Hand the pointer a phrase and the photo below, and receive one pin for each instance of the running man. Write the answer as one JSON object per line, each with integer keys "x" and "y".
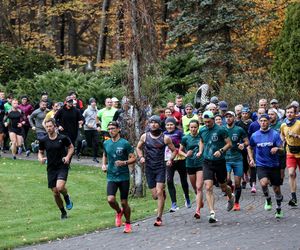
{"x": 59, "y": 150}
{"x": 290, "y": 134}
{"x": 234, "y": 157}
{"x": 154, "y": 143}
{"x": 267, "y": 144}
{"x": 214, "y": 142}
{"x": 117, "y": 155}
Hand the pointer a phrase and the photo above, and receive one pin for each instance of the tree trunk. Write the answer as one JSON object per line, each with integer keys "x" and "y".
{"x": 120, "y": 32}
{"x": 164, "y": 16}
{"x": 136, "y": 90}
{"x": 58, "y": 30}
{"x": 101, "y": 51}
{"x": 72, "y": 35}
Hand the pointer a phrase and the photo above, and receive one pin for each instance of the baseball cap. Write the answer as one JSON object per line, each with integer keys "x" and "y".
{"x": 223, "y": 105}
{"x": 245, "y": 110}
{"x": 214, "y": 100}
{"x": 230, "y": 113}
{"x": 274, "y": 101}
{"x": 114, "y": 99}
{"x": 295, "y": 103}
{"x": 69, "y": 99}
{"x": 208, "y": 115}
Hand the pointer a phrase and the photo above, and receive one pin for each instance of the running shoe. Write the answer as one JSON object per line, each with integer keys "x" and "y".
{"x": 78, "y": 157}
{"x": 253, "y": 189}
{"x": 212, "y": 218}
{"x": 230, "y": 203}
{"x": 28, "y": 153}
{"x": 158, "y": 222}
{"x": 95, "y": 160}
{"x": 14, "y": 157}
{"x": 236, "y": 207}
{"x": 64, "y": 216}
{"x": 69, "y": 204}
{"x": 187, "y": 204}
{"x": 19, "y": 150}
{"x": 174, "y": 207}
{"x": 118, "y": 220}
{"x": 127, "y": 228}
{"x": 279, "y": 215}
{"x": 293, "y": 202}
{"x": 268, "y": 206}
{"x": 197, "y": 215}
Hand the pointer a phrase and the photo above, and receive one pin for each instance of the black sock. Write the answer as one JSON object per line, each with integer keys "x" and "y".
{"x": 267, "y": 194}
{"x": 278, "y": 210}
{"x": 238, "y": 191}
{"x": 294, "y": 195}
{"x": 279, "y": 199}
{"x": 63, "y": 211}
{"x": 67, "y": 198}
{"x": 127, "y": 222}
{"x": 158, "y": 219}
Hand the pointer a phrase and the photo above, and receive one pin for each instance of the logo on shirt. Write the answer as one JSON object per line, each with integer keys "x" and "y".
{"x": 215, "y": 137}
{"x": 265, "y": 144}
{"x": 234, "y": 137}
{"x": 119, "y": 151}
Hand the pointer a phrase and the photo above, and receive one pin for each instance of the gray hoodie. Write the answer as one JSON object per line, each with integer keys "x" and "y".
{"x": 90, "y": 115}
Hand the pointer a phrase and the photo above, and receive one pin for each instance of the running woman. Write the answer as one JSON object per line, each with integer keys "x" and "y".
{"x": 154, "y": 143}
{"x": 234, "y": 157}
{"x": 15, "y": 121}
{"x": 189, "y": 148}
{"x": 290, "y": 134}
{"x": 267, "y": 143}
{"x": 118, "y": 153}
{"x": 59, "y": 150}
{"x": 214, "y": 142}
{"x": 178, "y": 165}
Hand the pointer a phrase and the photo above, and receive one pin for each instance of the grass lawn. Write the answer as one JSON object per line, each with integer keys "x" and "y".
{"x": 29, "y": 215}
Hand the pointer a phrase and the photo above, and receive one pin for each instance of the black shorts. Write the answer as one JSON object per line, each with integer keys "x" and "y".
{"x": 192, "y": 171}
{"x": 215, "y": 169}
{"x": 273, "y": 174}
{"x": 17, "y": 131}
{"x": 57, "y": 174}
{"x": 112, "y": 188}
{"x": 155, "y": 176}
{"x": 282, "y": 161}
{"x": 2, "y": 130}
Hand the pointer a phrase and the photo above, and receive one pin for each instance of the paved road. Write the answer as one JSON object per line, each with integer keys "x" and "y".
{"x": 251, "y": 228}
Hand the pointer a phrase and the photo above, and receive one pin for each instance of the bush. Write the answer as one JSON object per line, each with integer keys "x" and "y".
{"x": 16, "y": 63}
{"x": 58, "y": 83}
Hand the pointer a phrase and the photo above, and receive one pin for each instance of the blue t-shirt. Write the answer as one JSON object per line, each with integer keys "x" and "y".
{"x": 263, "y": 142}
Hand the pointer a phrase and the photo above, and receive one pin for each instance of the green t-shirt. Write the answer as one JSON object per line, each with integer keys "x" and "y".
{"x": 276, "y": 126}
{"x": 192, "y": 143}
{"x": 106, "y": 116}
{"x": 117, "y": 151}
{"x": 185, "y": 123}
{"x": 213, "y": 139}
{"x": 7, "y": 107}
{"x": 236, "y": 135}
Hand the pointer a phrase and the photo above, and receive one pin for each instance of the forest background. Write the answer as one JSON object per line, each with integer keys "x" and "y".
{"x": 244, "y": 49}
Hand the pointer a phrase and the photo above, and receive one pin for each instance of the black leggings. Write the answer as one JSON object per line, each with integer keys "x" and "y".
{"x": 92, "y": 139}
{"x": 180, "y": 167}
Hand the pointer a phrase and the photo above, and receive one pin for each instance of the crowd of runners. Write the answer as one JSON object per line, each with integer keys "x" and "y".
{"x": 210, "y": 146}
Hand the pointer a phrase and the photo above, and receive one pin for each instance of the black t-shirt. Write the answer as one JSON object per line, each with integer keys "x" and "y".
{"x": 56, "y": 149}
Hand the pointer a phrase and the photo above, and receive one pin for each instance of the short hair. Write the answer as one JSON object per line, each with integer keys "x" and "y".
{"x": 52, "y": 120}
{"x": 211, "y": 105}
{"x": 291, "y": 107}
{"x": 179, "y": 97}
{"x": 43, "y": 101}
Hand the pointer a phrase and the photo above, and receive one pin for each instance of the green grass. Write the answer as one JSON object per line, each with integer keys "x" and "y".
{"x": 29, "y": 215}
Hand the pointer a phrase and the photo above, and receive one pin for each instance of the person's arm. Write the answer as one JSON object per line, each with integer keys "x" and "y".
{"x": 181, "y": 150}
{"x": 250, "y": 155}
{"x": 228, "y": 145}
{"x": 169, "y": 143}
{"x": 139, "y": 149}
{"x": 31, "y": 120}
{"x": 41, "y": 156}
{"x": 131, "y": 160}
{"x": 67, "y": 158}
{"x": 201, "y": 148}
{"x": 104, "y": 162}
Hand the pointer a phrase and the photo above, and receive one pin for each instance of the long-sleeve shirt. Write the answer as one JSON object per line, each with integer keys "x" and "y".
{"x": 36, "y": 120}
